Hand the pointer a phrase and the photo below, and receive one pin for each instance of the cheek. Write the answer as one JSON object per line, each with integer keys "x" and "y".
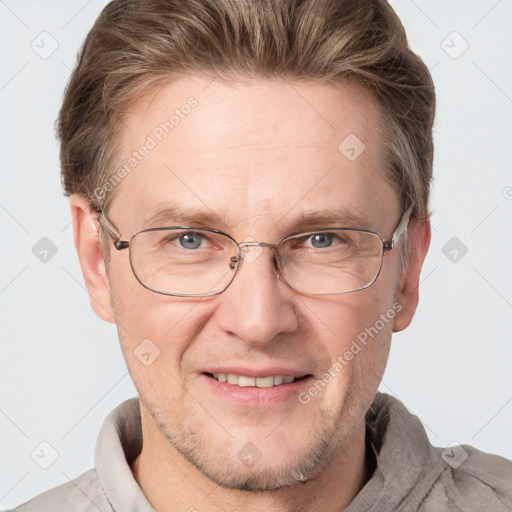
{"x": 157, "y": 337}
{"x": 337, "y": 322}
{"x": 154, "y": 330}
{"x": 354, "y": 332}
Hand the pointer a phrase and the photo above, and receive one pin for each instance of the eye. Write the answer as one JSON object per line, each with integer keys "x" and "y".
{"x": 181, "y": 240}
{"x": 320, "y": 240}
{"x": 190, "y": 240}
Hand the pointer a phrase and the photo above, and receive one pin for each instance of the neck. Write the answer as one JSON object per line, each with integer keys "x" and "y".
{"x": 170, "y": 482}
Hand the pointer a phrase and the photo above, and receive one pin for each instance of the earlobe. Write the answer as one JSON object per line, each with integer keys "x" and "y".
{"x": 407, "y": 295}
{"x": 87, "y": 243}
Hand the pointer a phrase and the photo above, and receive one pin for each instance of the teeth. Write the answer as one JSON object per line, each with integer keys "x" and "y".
{"x": 278, "y": 380}
{"x": 246, "y": 381}
{"x": 264, "y": 382}
{"x": 232, "y": 378}
{"x": 259, "y": 382}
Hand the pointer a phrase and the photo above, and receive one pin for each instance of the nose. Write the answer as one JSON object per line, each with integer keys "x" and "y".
{"x": 257, "y": 306}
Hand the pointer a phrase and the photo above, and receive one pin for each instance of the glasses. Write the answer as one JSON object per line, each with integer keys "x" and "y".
{"x": 185, "y": 261}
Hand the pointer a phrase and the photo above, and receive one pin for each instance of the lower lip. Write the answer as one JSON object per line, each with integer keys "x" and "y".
{"x": 255, "y": 397}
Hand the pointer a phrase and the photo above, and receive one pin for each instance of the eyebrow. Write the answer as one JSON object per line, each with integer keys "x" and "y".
{"x": 178, "y": 216}
{"x": 306, "y": 220}
{"x": 339, "y": 217}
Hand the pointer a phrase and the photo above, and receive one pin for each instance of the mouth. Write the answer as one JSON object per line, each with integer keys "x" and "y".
{"x": 245, "y": 381}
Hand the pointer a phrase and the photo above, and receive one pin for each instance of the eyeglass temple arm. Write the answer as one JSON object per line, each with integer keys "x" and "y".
{"x": 399, "y": 231}
{"x": 113, "y": 233}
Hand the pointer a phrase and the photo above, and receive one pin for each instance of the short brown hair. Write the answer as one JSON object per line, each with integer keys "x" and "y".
{"x": 135, "y": 45}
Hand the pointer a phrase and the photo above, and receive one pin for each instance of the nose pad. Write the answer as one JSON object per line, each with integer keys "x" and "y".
{"x": 233, "y": 262}
{"x": 278, "y": 262}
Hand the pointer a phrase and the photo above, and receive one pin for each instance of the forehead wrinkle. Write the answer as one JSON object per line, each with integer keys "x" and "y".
{"x": 266, "y": 146}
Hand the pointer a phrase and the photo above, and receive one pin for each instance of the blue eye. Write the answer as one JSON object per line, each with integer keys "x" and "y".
{"x": 321, "y": 240}
{"x": 190, "y": 240}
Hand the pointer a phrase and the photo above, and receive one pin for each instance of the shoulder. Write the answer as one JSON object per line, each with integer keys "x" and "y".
{"x": 477, "y": 480}
{"x": 412, "y": 474}
{"x": 83, "y": 494}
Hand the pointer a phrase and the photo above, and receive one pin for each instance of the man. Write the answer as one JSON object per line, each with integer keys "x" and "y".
{"x": 249, "y": 184}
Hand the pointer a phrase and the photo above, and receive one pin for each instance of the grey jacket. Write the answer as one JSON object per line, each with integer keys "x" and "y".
{"x": 410, "y": 475}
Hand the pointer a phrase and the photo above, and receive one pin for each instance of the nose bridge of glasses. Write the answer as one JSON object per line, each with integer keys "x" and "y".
{"x": 255, "y": 244}
{"x": 243, "y": 253}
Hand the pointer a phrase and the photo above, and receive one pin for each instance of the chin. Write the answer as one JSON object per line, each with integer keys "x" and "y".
{"x": 260, "y": 477}
{"x": 237, "y": 463}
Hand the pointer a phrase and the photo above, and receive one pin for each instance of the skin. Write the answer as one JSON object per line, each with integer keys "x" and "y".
{"x": 258, "y": 155}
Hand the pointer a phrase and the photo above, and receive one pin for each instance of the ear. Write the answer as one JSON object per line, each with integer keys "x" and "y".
{"x": 87, "y": 243}
{"x": 418, "y": 235}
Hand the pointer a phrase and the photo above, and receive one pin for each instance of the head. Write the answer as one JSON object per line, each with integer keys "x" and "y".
{"x": 259, "y": 119}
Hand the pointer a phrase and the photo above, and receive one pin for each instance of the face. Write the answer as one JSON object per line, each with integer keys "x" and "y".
{"x": 254, "y": 160}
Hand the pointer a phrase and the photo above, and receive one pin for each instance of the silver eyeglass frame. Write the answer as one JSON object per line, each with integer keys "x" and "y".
{"x": 235, "y": 261}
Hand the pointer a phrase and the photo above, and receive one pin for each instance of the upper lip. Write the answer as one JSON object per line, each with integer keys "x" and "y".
{"x": 257, "y": 372}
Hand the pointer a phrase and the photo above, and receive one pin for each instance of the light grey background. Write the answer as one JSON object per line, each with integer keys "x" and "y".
{"x": 61, "y": 368}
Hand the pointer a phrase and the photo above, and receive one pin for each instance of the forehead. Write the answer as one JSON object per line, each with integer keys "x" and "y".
{"x": 254, "y": 152}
